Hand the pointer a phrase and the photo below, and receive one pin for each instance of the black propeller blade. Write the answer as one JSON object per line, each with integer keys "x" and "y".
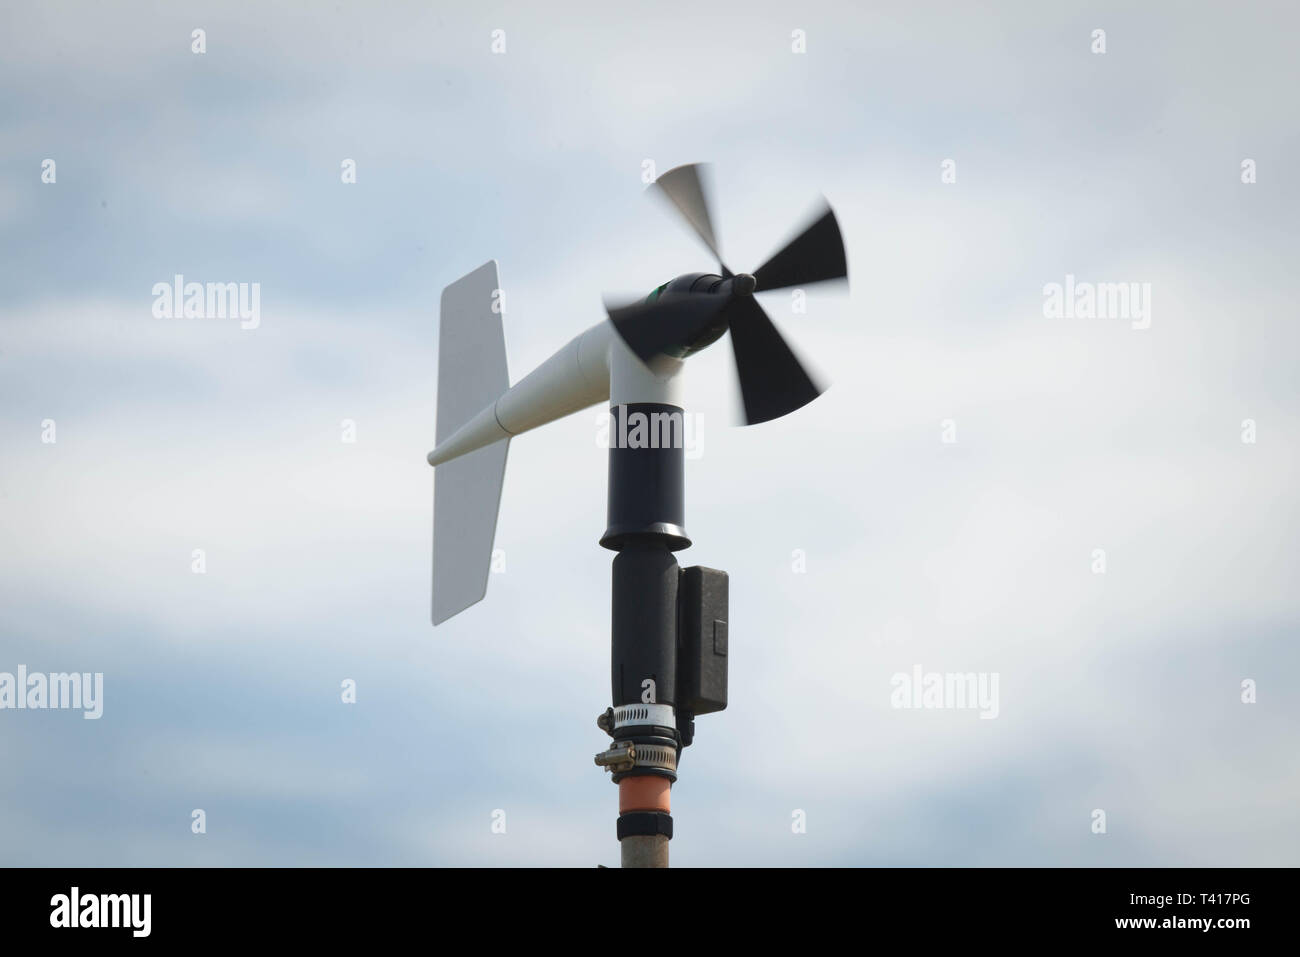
{"x": 683, "y": 186}
{"x": 772, "y": 380}
{"x": 650, "y": 328}
{"x": 815, "y": 255}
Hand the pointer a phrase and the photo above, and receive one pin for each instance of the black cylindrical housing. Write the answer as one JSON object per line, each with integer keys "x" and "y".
{"x": 647, "y": 456}
{"x": 645, "y": 624}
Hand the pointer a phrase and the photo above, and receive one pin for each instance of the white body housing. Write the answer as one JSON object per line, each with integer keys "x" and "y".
{"x": 593, "y": 367}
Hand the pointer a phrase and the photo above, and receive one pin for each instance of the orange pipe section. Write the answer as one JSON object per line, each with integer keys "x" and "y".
{"x": 645, "y": 792}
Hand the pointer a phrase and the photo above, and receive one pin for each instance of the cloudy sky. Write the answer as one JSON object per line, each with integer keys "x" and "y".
{"x": 942, "y": 506}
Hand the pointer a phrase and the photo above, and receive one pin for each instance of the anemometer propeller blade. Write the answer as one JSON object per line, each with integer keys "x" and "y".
{"x": 683, "y": 186}
{"x": 814, "y": 255}
{"x": 772, "y": 381}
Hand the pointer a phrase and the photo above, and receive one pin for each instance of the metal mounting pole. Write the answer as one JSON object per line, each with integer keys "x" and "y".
{"x": 644, "y": 850}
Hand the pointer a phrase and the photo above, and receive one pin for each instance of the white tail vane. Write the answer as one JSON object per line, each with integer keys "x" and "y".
{"x": 478, "y": 413}
{"x": 467, "y": 492}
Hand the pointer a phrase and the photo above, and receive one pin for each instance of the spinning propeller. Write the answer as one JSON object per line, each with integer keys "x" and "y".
{"x": 692, "y": 311}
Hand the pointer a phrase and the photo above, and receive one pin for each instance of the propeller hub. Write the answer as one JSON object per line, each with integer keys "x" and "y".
{"x": 743, "y": 284}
